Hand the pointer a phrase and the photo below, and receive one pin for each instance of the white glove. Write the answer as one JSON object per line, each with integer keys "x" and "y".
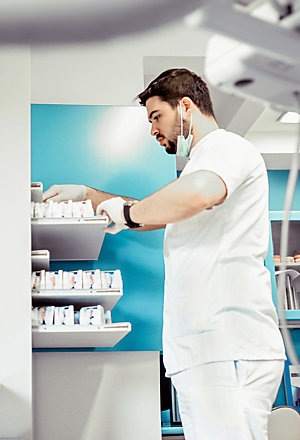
{"x": 114, "y": 209}
{"x": 62, "y": 193}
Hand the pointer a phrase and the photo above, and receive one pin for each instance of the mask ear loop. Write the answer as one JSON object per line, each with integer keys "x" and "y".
{"x": 181, "y": 120}
{"x": 190, "y": 130}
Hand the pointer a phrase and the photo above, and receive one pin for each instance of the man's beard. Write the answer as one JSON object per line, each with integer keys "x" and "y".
{"x": 171, "y": 148}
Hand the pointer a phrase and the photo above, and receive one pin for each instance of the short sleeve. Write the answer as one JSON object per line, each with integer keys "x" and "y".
{"x": 227, "y": 155}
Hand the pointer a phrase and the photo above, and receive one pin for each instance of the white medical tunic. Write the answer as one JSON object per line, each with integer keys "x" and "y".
{"x": 218, "y": 301}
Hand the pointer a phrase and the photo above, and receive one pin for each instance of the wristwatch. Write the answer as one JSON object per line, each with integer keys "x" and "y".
{"x": 129, "y": 222}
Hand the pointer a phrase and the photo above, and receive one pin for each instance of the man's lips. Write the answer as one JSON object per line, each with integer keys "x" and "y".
{"x": 160, "y": 140}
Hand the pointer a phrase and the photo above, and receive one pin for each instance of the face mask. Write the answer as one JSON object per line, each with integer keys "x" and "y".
{"x": 184, "y": 144}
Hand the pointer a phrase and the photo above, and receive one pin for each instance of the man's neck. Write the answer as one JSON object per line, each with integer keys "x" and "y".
{"x": 202, "y": 126}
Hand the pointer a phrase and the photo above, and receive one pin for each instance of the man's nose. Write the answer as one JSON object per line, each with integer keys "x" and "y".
{"x": 154, "y": 130}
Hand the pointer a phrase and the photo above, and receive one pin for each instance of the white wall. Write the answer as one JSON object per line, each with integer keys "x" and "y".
{"x": 15, "y": 293}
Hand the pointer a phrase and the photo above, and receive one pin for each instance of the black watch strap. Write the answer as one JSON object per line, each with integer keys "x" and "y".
{"x": 129, "y": 222}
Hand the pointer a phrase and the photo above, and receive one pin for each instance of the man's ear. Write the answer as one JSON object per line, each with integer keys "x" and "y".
{"x": 187, "y": 104}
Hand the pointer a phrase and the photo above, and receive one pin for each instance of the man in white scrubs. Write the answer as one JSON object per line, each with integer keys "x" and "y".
{"x": 221, "y": 344}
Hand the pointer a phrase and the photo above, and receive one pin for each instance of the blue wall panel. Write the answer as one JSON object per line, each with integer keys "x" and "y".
{"x": 278, "y": 181}
{"x": 109, "y": 148}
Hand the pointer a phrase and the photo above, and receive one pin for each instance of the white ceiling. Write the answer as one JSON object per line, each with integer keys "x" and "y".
{"x": 267, "y": 122}
{"x": 115, "y": 71}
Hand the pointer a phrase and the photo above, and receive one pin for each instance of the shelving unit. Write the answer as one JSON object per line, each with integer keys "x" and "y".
{"x": 276, "y": 217}
{"x": 72, "y": 239}
{"x": 58, "y": 336}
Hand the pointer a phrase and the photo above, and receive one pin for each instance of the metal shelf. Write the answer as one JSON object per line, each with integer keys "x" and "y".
{"x": 292, "y": 319}
{"x": 288, "y": 265}
{"x": 63, "y": 336}
{"x": 172, "y": 431}
{"x": 69, "y": 238}
{"x": 36, "y": 192}
{"x": 291, "y": 324}
{"x": 40, "y": 260}
{"x": 82, "y": 298}
{"x": 291, "y": 315}
{"x": 278, "y": 215}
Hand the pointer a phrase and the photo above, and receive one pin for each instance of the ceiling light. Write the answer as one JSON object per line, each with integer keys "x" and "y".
{"x": 289, "y": 118}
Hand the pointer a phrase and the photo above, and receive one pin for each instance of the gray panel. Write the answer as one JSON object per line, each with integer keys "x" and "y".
{"x": 69, "y": 239}
{"x": 294, "y": 236}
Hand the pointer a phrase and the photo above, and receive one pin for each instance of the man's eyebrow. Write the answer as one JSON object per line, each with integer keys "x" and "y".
{"x": 151, "y": 114}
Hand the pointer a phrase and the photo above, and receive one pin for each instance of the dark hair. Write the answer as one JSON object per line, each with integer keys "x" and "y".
{"x": 173, "y": 84}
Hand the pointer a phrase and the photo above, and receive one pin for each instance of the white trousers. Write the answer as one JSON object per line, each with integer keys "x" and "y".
{"x": 228, "y": 400}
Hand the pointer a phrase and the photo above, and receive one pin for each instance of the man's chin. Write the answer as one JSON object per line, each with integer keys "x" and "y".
{"x": 171, "y": 148}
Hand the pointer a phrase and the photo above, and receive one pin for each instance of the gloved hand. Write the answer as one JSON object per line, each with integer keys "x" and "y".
{"x": 62, "y": 193}
{"x": 114, "y": 209}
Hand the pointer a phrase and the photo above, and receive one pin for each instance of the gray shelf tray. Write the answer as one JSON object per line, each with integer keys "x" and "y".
{"x": 63, "y": 336}
{"x": 82, "y": 298}
{"x": 69, "y": 238}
